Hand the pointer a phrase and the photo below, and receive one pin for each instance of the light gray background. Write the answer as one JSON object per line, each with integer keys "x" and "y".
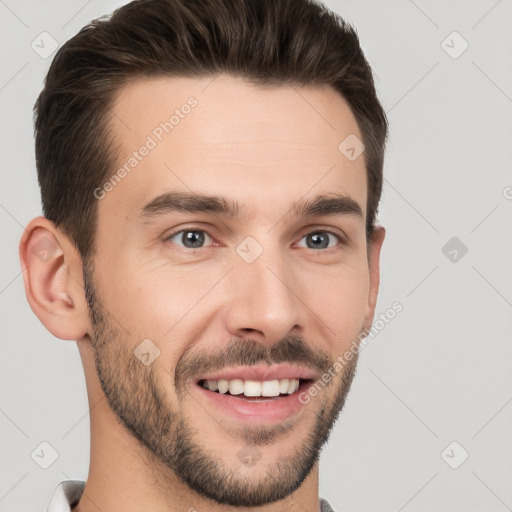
{"x": 439, "y": 372}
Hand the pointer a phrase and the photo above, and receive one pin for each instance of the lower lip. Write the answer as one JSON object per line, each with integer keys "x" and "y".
{"x": 272, "y": 410}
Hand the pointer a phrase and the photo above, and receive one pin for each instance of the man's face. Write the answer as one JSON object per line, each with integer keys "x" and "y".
{"x": 182, "y": 300}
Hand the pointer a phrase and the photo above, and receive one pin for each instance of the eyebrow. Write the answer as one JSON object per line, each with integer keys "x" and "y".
{"x": 190, "y": 202}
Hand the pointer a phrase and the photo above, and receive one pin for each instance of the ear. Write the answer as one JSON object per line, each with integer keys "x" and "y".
{"x": 374, "y": 247}
{"x": 52, "y": 274}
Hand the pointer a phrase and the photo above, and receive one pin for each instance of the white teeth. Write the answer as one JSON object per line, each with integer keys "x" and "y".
{"x": 236, "y": 386}
{"x": 294, "y": 385}
{"x": 223, "y": 386}
{"x": 270, "y": 388}
{"x": 253, "y": 388}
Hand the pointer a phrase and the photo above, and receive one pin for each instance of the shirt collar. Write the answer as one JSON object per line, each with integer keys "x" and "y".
{"x": 66, "y": 496}
{"x": 69, "y": 492}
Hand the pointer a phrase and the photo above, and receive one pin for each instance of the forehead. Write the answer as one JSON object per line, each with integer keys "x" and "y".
{"x": 228, "y": 137}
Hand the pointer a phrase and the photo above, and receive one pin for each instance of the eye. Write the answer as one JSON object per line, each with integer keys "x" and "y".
{"x": 321, "y": 240}
{"x": 189, "y": 238}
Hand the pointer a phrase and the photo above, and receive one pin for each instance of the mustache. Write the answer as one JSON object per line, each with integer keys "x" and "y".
{"x": 246, "y": 352}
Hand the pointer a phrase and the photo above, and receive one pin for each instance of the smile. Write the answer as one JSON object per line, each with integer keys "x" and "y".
{"x": 256, "y": 395}
{"x": 253, "y": 388}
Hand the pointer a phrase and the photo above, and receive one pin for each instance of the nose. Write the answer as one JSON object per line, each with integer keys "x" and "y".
{"x": 264, "y": 299}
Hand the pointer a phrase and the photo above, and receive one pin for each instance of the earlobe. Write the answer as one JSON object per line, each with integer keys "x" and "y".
{"x": 374, "y": 248}
{"x": 53, "y": 279}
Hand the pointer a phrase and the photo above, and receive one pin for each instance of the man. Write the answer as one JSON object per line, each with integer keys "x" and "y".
{"x": 210, "y": 174}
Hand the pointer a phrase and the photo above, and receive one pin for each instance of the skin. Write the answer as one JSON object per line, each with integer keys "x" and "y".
{"x": 265, "y": 148}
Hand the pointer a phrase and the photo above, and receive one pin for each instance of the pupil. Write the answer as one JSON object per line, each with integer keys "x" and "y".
{"x": 193, "y": 239}
{"x": 323, "y": 240}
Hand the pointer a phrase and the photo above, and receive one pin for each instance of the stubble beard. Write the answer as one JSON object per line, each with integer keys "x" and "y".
{"x": 136, "y": 398}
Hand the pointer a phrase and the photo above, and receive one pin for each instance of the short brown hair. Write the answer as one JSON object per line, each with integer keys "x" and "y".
{"x": 267, "y": 42}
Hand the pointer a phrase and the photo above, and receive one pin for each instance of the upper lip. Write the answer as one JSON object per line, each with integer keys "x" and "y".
{"x": 260, "y": 373}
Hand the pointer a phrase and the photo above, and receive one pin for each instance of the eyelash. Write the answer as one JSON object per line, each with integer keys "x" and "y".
{"x": 318, "y": 230}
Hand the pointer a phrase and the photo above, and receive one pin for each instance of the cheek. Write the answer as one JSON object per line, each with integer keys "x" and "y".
{"x": 157, "y": 300}
{"x": 340, "y": 298}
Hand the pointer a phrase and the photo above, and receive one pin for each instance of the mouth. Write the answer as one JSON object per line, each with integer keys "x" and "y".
{"x": 253, "y": 389}
{"x": 255, "y": 395}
